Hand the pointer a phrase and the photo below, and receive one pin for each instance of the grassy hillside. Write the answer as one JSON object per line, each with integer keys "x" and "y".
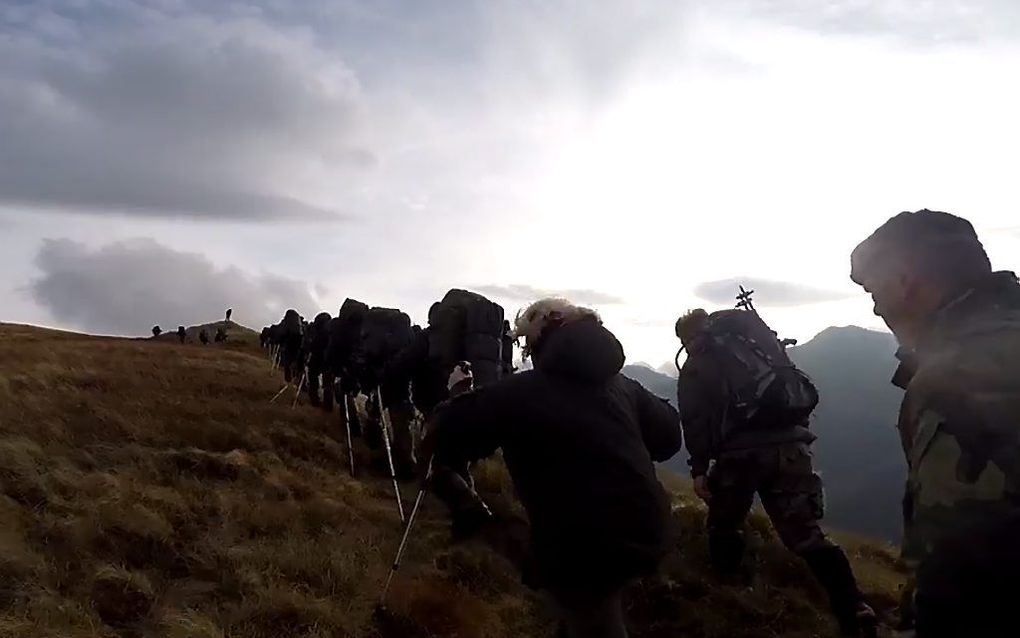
{"x": 150, "y": 489}
{"x": 238, "y": 336}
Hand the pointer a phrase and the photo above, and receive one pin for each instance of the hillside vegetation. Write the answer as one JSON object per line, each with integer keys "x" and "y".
{"x": 149, "y": 488}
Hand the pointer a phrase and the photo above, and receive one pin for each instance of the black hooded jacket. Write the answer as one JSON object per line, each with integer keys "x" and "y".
{"x": 579, "y": 440}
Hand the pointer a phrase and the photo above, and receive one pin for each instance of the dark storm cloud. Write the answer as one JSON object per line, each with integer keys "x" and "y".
{"x": 126, "y": 287}
{"x": 526, "y": 293}
{"x": 170, "y": 114}
{"x": 768, "y": 292}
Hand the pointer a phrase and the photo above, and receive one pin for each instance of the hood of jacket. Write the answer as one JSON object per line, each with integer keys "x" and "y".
{"x": 584, "y": 351}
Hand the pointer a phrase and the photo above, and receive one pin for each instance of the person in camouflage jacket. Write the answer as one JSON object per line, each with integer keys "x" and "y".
{"x": 958, "y": 324}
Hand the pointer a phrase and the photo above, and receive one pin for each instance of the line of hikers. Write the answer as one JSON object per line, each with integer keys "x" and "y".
{"x": 581, "y": 441}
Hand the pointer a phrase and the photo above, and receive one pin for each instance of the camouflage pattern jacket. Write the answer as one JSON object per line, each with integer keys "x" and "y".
{"x": 960, "y": 420}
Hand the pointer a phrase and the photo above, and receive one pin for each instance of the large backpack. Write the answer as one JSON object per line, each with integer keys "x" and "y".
{"x": 766, "y": 389}
{"x": 345, "y": 330}
{"x": 384, "y": 332}
{"x": 292, "y": 324}
{"x": 465, "y": 326}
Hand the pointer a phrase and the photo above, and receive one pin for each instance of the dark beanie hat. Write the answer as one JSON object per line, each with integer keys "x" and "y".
{"x": 925, "y": 236}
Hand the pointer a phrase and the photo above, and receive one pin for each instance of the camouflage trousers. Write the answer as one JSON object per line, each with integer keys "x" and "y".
{"x": 790, "y": 491}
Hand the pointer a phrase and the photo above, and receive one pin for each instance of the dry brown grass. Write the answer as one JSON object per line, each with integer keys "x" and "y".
{"x": 150, "y": 489}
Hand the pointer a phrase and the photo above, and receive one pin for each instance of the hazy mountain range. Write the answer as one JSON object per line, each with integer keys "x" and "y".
{"x": 858, "y": 452}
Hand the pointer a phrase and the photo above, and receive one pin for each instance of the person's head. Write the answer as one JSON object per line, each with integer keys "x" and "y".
{"x": 433, "y": 309}
{"x": 914, "y": 264}
{"x": 536, "y": 322}
{"x": 690, "y": 326}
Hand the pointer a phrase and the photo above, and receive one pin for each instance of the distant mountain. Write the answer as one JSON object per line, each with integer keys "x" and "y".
{"x": 668, "y": 369}
{"x": 858, "y": 451}
{"x": 656, "y": 382}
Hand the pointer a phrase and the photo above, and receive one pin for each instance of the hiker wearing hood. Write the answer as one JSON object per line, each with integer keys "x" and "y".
{"x": 580, "y": 441}
{"x": 958, "y": 325}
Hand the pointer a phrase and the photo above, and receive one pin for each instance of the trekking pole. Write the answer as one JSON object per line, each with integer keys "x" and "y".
{"x": 384, "y": 426}
{"x": 403, "y": 541}
{"x": 300, "y": 386}
{"x": 347, "y": 425}
{"x": 280, "y": 393}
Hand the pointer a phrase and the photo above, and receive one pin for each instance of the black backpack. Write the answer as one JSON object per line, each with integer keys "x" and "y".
{"x": 766, "y": 388}
{"x": 345, "y": 329}
{"x": 292, "y": 325}
{"x": 384, "y": 332}
{"x": 465, "y": 326}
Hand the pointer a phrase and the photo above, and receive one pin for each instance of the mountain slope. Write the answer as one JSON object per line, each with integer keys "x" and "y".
{"x": 150, "y": 489}
{"x": 655, "y": 382}
{"x": 858, "y": 451}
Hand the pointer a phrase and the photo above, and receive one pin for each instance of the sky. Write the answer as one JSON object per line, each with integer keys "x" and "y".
{"x": 162, "y": 160}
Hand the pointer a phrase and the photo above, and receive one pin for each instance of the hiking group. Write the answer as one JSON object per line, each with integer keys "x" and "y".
{"x": 581, "y": 441}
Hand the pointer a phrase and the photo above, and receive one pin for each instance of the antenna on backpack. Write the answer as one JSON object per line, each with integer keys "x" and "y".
{"x": 744, "y": 299}
{"x": 744, "y": 302}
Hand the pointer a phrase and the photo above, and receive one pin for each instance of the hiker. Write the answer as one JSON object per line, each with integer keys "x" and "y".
{"x": 958, "y": 326}
{"x": 156, "y": 331}
{"x": 291, "y": 335}
{"x": 275, "y": 339}
{"x": 508, "y": 349}
{"x": 230, "y": 311}
{"x": 264, "y": 338}
{"x": 344, "y": 335}
{"x": 182, "y": 334}
{"x": 579, "y": 440}
{"x": 203, "y": 336}
{"x": 316, "y": 340}
{"x": 221, "y": 335}
{"x": 384, "y": 333}
{"x": 747, "y": 435}
{"x": 464, "y": 327}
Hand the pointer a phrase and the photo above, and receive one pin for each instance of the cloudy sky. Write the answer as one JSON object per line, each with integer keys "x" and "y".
{"x": 161, "y": 160}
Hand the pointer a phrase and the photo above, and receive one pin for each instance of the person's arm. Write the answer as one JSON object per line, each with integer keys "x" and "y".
{"x": 660, "y": 424}
{"x": 964, "y": 456}
{"x": 464, "y": 429}
{"x": 700, "y": 413}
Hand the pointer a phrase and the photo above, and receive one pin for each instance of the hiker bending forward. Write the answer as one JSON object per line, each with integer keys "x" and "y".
{"x": 767, "y": 454}
{"x": 579, "y": 440}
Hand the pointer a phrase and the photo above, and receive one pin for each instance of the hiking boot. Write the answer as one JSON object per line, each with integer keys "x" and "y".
{"x": 863, "y": 623}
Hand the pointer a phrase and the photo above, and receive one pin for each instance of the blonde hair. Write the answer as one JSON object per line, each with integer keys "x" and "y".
{"x": 532, "y": 322}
